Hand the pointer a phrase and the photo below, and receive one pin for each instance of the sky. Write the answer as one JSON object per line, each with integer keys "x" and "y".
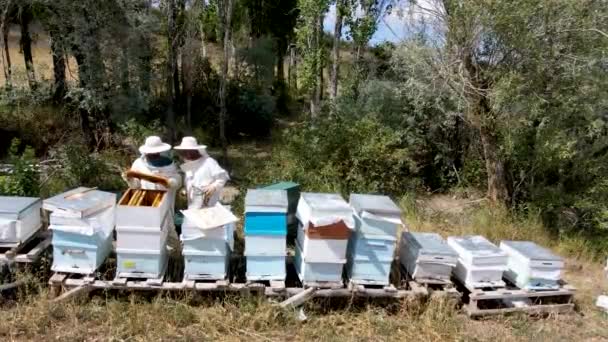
{"x": 394, "y": 27}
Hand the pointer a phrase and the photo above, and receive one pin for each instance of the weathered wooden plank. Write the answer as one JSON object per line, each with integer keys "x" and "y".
{"x": 13, "y": 285}
{"x": 57, "y": 278}
{"x": 509, "y": 294}
{"x": 532, "y": 310}
{"x": 35, "y": 252}
{"x": 73, "y": 293}
{"x": 298, "y": 299}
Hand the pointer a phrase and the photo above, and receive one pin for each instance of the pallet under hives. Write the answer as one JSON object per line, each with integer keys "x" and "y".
{"x": 28, "y": 251}
{"x": 72, "y": 284}
{"x": 511, "y": 299}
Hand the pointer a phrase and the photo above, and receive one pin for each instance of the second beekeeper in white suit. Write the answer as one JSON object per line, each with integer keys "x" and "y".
{"x": 204, "y": 178}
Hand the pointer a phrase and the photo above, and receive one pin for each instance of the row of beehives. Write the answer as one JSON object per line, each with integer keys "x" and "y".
{"x": 332, "y": 234}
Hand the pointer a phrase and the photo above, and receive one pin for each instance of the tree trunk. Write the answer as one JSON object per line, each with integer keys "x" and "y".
{"x": 498, "y": 188}
{"x": 280, "y": 64}
{"x": 60, "y": 86}
{"x": 333, "y": 91}
{"x": 226, "y": 18}
{"x": 171, "y": 67}
{"x": 202, "y": 29}
{"x": 26, "y": 46}
{"x": 315, "y": 99}
{"x": 6, "y": 57}
{"x": 292, "y": 72}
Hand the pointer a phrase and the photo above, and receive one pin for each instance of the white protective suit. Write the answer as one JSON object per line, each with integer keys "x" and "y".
{"x": 170, "y": 171}
{"x": 201, "y": 174}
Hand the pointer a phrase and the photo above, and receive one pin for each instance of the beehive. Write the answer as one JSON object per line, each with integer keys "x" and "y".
{"x": 427, "y": 256}
{"x": 143, "y": 220}
{"x": 326, "y": 224}
{"x": 265, "y": 234}
{"x": 480, "y": 262}
{"x": 19, "y": 218}
{"x": 372, "y": 246}
{"x": 82, "y": 221}
{"x": 207, "y": 245}
{"x": 532, "y": 267}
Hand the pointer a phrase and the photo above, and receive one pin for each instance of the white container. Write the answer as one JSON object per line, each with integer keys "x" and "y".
{"x": 200, "y": 265}
{"x": 321, "y": 250}
{"x": 144, "y": 216}
{"x": 265, "y": 267}
{"x": 80, "y": 202}
{"x": 477, "y": 250}
{"x": 144, "y": 238}
{"x": 480, "y": 262}
{"x": 313, "y": 270}
{"x": 266, "y": 201}
{"x": 427, "y": 256}
{"x": 479, "y": 276}
{"x": 140, "y": 263}
{"x": 375, "y": 214}
{"x": 531, "y": 266}
{"x": 81, "y": 245}
{"x": 265, "y": 245}
{"x": 19, "y": 218}
{"x": 323, "y": 210}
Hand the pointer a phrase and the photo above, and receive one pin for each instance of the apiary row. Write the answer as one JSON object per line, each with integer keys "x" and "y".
{"x": 335, "y": 239}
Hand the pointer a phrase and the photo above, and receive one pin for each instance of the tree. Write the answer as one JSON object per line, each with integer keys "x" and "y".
{"x": 362, "y": 28}
{"x": 342, "y": 7}
{"x": 309, "y": 32}
{"x": 25, "y": 17}
{"x": 225, "y": 8}
{"x": 4, "y": 29}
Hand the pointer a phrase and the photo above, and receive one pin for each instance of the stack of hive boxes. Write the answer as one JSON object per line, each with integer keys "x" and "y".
{"x": 19, "y": 219}
{"x": 82, "y": 221}
{"x": 480, "y": 262}
{"x": 426, "y": 256}
{"x": 265, "y": 232}
{"x": 143, "y": 221}
{"x": 532, "y": 267}
{"x": 372, "y": 246}
{"x": 326, "y": 222}
{"x": 208, "y": 240}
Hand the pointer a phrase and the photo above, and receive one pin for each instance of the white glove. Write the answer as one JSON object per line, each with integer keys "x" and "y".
{"x": 208, "y": 192}
{"x": 133, "y": 183}
{"x": 173, "y": 183}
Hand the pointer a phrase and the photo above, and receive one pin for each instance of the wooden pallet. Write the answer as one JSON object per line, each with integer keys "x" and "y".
{"x": 432, "y": 286}
{"x": 26, "y": 252}
{"x": 511, "y": 299}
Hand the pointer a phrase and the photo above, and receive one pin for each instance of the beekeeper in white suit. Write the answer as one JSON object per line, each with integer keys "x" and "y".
{"x": 154, "y": 160}
{"x": 204, "y": 178}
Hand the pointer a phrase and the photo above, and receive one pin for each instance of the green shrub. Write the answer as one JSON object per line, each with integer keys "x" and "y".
{"x": 343, "y": 156}
{"x": 24, "y": 180}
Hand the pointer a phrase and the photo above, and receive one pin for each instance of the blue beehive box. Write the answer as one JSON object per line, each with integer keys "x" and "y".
{"x": 370, "y": 258}
{"x": 266, "y": 212}
{"x": 265, "y": 231}
{"x": 372, "y": 247}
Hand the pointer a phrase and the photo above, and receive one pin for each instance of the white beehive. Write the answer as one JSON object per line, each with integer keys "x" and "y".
{"x": 19, "y": 218}
{"x": 427, "y": 256}
{"x": 143, "y": 221}
{"x": 82, "y": 221}
{"x": 531, "y": 266}
{"x": 480, "y": 262}
{"x": 207, "y": 238}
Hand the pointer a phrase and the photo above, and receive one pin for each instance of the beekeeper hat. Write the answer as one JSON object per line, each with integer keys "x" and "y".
{"x": 153, "y": 145}
{"x": 190, "y": 143}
